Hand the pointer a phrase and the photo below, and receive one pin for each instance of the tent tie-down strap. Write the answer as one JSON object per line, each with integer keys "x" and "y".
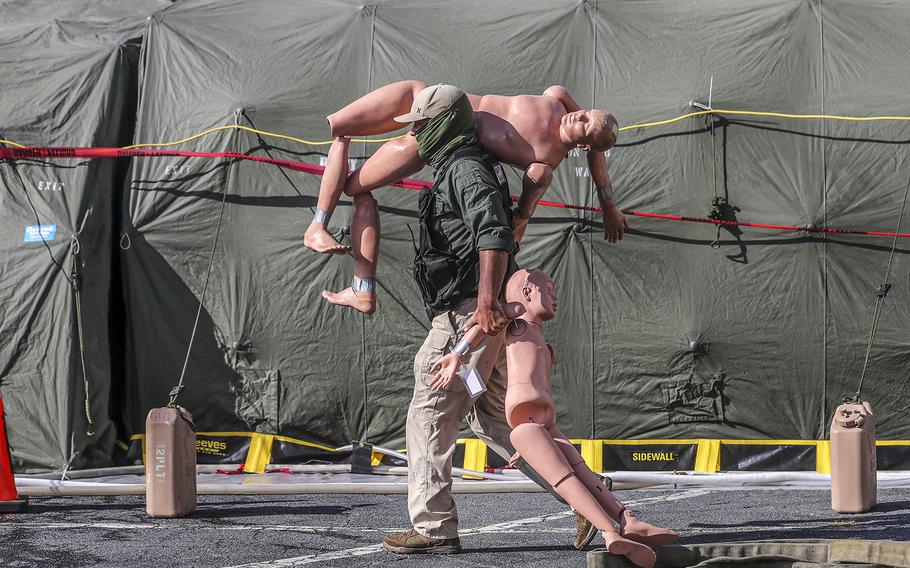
{"x": 880, "y": 295}
{"x": 60, "y": 152}
{"x": 76, "y": 284}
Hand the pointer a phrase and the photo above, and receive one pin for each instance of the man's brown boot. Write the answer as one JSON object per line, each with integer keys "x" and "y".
{"x": 584, "y": 530}
{"x": 412, "y": 542}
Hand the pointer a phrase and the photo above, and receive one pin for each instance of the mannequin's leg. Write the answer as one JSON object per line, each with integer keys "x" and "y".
{"x": 361, "y": 295}
{"x": 374, "y": 112}
{"x": 537, "y": 447}
{"x": 394, "y": 160}
{"x": 631, "y": 527}
{"x": 317, "y": 236}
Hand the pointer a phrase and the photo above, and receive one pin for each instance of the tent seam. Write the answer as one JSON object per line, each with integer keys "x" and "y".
{"x": 591, "y": 218}
{"x": 824, "y": 405}
{"x": 363, "y": 338}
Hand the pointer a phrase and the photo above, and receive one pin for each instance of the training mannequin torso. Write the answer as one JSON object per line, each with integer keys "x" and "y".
{"x": 529, "y": 358}
{"x": 529, "y": 409}
{"x": 521, "y": 130}
{"x": 532, "y": 132}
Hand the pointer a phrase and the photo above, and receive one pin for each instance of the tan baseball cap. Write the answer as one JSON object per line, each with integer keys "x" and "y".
{"x": 431, "y": 102}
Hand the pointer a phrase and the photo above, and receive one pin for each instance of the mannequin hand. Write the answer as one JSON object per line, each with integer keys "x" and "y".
{"x": 490, "y": 319}
{"x": 614, "y": 224}
{"x": 445, "y": 370}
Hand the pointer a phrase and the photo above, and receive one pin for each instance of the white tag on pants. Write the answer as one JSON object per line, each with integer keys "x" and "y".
{"x": 473, "y": 382}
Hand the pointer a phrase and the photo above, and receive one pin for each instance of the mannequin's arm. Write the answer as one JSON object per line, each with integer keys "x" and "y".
{"x": 448, "y": 365}
{"x": 562, "y": 93}
{"x": 614, "y": 221}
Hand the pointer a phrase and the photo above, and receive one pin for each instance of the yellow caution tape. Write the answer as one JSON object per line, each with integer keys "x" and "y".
{"x": 622, "y": 129}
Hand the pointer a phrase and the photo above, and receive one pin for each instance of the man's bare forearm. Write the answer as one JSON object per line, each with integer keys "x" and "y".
{"x": 534, "y": 184}
{"x": 493, "y": 264}
{"x": 530, "y": 196}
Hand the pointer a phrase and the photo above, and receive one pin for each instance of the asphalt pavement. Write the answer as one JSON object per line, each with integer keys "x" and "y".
{"x": 527, "y": 530}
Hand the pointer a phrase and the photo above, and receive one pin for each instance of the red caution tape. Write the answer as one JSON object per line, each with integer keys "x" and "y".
{"x": 407, "y": 183}
{"x": 67, "y": 152}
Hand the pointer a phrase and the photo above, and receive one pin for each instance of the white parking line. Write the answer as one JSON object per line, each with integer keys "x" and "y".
{"x": 157, "y": 526}
{"x": 257, "y": 528}
{"x": 312, "y": 558}
{"x": 508, "y": 526}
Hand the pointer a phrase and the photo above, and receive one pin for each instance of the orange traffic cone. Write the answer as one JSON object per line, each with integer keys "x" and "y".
{"x": 10, "y": 502}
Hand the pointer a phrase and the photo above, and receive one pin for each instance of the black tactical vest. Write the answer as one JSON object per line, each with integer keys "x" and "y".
{"x": 444, "y": 279}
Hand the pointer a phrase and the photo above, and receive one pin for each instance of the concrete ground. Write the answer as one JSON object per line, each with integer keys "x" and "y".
{"x": 527, "y": 530}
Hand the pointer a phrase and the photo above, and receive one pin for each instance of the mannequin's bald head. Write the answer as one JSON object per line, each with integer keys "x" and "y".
{"x": 535, "y": 291}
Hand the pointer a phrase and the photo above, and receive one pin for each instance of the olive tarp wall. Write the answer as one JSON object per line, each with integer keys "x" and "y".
{"x": 66, "y": 70}
{"x": 677, "y": 332}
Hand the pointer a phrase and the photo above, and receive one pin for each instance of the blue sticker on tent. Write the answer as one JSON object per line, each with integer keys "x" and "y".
{"x": 38, "y": 233}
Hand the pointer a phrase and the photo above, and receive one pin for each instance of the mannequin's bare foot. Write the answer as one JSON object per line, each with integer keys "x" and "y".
{"x": 639, "y": 554}
{"x": 360, "y": 301}
{"x": 642, "y": 532}
{"x": 318, "y": 239}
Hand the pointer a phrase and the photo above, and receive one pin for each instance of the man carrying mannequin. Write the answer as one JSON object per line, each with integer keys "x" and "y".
{"x": 465, "y": 253}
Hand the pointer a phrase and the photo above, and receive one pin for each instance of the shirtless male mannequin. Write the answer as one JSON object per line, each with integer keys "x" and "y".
{"x": 534, "y": 133}
{"x": 531, "y": 413}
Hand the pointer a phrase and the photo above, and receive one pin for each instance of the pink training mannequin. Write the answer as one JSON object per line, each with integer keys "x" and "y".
{"x": 531, "y": 414}
{"x": 534, "y": 133}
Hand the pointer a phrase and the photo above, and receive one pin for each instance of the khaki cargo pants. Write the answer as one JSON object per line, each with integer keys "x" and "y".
{"x": 435, "y": 417}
